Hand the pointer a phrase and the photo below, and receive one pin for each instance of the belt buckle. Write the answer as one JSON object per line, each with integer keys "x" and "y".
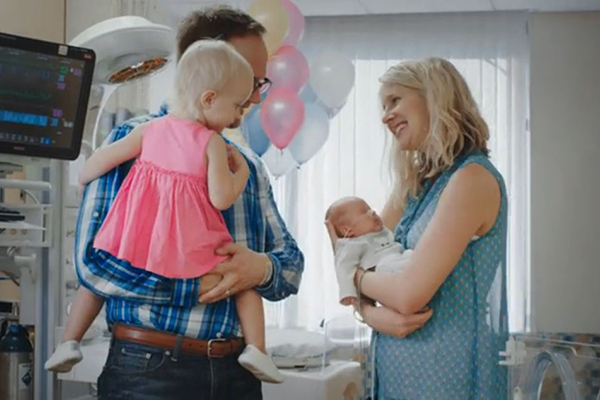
{"x": 210, "y": 342}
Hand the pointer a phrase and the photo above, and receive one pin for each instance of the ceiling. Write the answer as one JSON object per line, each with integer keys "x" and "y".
{"x": 361, "y": 7}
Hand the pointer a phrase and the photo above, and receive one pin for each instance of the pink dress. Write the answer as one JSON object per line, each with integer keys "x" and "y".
{"x": 162, "y": 219}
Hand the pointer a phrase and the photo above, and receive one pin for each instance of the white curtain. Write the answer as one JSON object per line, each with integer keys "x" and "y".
{"x": 491, "y": 51}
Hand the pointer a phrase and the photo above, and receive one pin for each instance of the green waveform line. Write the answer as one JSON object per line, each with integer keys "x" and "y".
{"x": 33, "y": 64}
{"x": 26, "y": 95}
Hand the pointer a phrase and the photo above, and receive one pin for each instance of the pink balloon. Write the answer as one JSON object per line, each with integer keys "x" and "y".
{"x": 296, "y": 31}
{"x": 282, "y": 115}
{"x": 288, "y": 69}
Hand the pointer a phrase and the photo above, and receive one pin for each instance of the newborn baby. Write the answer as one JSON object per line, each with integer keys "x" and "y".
{"x": 364, "y": 243}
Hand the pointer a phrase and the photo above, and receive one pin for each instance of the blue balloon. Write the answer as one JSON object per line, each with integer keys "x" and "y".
{"x": 309, "y": 96}
{"x": 254, "y": 133}
{"x": 312, "y": 135}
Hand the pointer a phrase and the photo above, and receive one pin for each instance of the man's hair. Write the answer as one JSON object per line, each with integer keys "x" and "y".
{"x": 220, "y": 22}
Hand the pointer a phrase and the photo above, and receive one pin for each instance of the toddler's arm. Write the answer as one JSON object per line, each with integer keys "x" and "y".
{"x": 224, "y": 184}
{"x": 112, "y": 155}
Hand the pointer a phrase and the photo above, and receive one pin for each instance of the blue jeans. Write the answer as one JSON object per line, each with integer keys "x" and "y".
{"x": 138, "y": 372}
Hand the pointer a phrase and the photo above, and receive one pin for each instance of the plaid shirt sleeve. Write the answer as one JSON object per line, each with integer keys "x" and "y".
{"x": 106, "y": 275}
{"x": 282, "y": 249}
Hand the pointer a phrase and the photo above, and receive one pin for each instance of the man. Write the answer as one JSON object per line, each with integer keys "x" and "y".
{"x": 166, "y": 344}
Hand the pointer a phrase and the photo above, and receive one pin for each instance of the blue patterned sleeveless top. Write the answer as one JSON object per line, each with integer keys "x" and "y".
{"x": 455, "y": 355}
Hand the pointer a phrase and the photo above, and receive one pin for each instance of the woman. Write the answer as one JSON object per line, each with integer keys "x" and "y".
{"x": 449, "y": 205}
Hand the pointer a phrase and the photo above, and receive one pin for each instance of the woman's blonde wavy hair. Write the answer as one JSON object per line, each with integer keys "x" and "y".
{"x": 455, "y": 125}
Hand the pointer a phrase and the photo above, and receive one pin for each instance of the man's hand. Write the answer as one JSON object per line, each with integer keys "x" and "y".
{"x": 209, "y": 281}
{"x": 243, "y": 270}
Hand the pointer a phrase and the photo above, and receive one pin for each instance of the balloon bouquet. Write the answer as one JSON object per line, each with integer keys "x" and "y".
{"x": 291, "y": 124}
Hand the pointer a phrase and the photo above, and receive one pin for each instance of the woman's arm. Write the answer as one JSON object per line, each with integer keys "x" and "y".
{"x": 468, "y": 206}
{"x": 112, "y": 156}
{"x": 224, "y": 184}
{"x": 390, "y": 322}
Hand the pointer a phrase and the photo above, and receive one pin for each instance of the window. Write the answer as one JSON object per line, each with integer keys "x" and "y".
{"x": 491, "y": 51}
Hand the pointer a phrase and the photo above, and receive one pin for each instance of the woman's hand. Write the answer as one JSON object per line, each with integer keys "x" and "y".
{"x": 387, "y": 320}
{"x": 358, "y": 278}
{"x": 390, "y": 322}
{"x": 332, "y": 234}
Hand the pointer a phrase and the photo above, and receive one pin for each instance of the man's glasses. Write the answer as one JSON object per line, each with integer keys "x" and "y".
{"x": 262, "y": 85}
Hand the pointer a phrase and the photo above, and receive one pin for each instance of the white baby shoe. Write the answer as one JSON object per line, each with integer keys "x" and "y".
{"x": 260, "y": 364}
{"x": 65, "y": 356}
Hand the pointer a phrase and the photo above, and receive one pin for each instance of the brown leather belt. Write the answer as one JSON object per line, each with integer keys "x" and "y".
{"x": 214, "y": 348}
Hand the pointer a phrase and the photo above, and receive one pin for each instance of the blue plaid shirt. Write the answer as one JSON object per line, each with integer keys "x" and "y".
{"x": 140, "y": 298}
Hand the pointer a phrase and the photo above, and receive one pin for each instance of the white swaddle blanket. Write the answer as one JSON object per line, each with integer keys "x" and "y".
{"x": 378, "y": 249}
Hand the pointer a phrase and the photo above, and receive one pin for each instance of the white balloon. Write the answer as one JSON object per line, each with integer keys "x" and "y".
{"x": 332, "y": 78}
{"x": 312, "y": 134}
{"x": 279, "y": 162}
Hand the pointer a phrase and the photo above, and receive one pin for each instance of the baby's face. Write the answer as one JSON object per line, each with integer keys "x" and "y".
{"x": 359, "y": 219}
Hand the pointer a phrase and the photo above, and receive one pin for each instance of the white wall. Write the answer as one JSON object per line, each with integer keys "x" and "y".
{"x": 565, "y": 172}
{"x": 40, "y": 19}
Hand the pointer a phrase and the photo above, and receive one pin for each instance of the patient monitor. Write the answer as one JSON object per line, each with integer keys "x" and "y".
{"x": 44, "y": 91}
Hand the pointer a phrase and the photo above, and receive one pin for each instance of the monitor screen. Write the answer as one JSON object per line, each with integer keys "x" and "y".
{"x": 44, "y": 92}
